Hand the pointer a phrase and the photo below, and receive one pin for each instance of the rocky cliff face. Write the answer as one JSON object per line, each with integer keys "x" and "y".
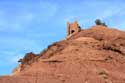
{"x": 94, "y": 55}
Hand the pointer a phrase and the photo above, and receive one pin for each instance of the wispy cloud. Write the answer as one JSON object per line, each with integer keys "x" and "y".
{"x": 20, "y": 15}
{"x": 15, "y": 22}
{"x": 9, "y": 58}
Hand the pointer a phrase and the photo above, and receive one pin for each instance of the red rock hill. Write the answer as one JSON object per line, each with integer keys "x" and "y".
{"x": 94, "y": 55}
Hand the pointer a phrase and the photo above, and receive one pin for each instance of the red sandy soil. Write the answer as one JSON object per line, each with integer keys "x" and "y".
{"x": 94, "y": 55}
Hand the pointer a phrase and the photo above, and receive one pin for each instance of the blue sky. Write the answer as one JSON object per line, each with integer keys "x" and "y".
{"x": 31, "y": 25}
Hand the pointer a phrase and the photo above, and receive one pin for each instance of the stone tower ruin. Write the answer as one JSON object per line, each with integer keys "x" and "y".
{"x": 72, "y": 28}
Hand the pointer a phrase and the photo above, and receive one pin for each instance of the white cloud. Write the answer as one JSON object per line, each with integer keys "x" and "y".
{"x": 15, "y": 22}
{"x": 21, "y": 15}
{"x": 9, "y": 57}
{"x": 109, "y": 12}
{"x": 15, "y": 59}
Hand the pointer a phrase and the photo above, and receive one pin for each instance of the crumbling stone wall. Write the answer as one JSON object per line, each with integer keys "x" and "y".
{"x": 72, "y": 28}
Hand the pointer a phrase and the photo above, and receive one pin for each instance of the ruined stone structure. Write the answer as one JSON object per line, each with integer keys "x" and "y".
{"x": 72, "y": 28}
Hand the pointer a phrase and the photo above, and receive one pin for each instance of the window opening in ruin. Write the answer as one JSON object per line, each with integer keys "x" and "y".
{"x": 72, "y": 31}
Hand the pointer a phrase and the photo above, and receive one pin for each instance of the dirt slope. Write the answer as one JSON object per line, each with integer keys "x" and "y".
{"x": 94, "y": 55}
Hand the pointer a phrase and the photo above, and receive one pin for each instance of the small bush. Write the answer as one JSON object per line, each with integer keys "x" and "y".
{"x": 98, "y": 22}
